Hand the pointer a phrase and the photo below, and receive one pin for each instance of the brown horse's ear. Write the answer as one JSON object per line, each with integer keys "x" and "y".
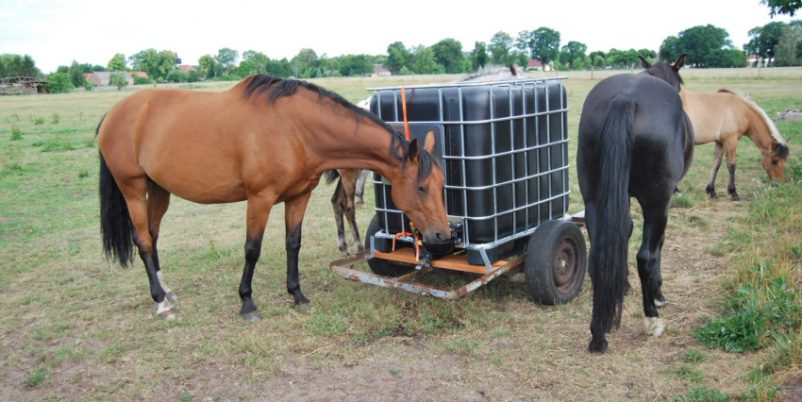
{"x": 428, "y": 142}
{"x": 644, "y": 63}
{"x": 413, "y": 150}
{"x": 680, "y": 62}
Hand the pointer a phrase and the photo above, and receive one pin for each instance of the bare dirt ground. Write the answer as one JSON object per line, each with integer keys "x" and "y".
{"x": 548, "y": 362}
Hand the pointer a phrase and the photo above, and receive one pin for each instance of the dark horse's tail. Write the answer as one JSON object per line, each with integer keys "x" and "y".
{"x": 331, "y": 175}
{"x": 115, "y": 222}
{"x": 612, "y": 222}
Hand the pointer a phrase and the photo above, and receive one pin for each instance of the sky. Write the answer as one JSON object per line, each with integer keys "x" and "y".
{"x": 57, "y": 32}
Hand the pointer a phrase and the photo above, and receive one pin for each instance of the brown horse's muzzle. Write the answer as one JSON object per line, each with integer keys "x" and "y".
{"x": 437, "y": 244}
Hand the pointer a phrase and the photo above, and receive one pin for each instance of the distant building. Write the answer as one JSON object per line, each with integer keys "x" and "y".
{"x": 102, "y": 78}
{"x": 379, "y": 70}
{"x": 537, "y": 65}
{"x": 186, "y": 68}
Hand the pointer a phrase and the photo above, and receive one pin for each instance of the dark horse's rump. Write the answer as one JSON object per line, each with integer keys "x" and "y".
{"x": 634, "y": 141}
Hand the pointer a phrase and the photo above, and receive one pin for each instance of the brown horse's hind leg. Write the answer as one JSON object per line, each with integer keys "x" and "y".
{"x": 135, "y": 190}
{"x": 293, "y": 219}
{"x": 158, "y": 202}
{"x": 730, "y": 148}
{"x": 711, "y": 183}
{"x": 338, "y": 204}
{"x": 349, "y": 179}
{"x": 258, "y": 211}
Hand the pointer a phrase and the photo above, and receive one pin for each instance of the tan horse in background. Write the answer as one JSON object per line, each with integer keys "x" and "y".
{"x": 725, "y": 117}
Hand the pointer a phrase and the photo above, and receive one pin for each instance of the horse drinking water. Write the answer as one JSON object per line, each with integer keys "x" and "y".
{"x": 724, "y": 117}
{"x": 266, "y": 140}
{"x": 634, "y": 141}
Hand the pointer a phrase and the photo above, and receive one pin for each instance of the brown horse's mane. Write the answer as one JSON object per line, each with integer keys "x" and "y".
{"x": 280, "y": 87}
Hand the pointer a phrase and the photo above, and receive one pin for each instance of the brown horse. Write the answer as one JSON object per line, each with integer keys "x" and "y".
{"x": 351, "y": 185}
{"x": 725, "y": 117}
{"x": 266, "y": 141}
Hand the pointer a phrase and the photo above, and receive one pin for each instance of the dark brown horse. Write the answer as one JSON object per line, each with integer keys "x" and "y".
{"x": 634, "y": 141}
{"x": 264, "y": 141}
{"x": 350, "y": 185}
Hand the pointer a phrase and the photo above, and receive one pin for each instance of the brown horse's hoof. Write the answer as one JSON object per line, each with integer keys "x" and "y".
{"x": 251, "y": 316}
{"x": 303, "y": 308}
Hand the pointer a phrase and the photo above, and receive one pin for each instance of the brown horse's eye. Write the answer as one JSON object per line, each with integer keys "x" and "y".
{"x": 775, "y": 162}
{"x": 421, "y": 190}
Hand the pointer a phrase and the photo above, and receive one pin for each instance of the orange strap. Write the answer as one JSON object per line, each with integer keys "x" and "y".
{"x": 407, "y": 135}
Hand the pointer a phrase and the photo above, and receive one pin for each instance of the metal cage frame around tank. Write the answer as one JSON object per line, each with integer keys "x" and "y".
{"x": 466, "y": 241}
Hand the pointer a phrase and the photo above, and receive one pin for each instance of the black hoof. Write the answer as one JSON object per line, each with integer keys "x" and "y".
{"x": 249, "y": 312}
{"x": 598, "y": 346}
{"x": 251, "y": 316}
{"x": 735, "y": 197}
{"x": 303, "y": 308}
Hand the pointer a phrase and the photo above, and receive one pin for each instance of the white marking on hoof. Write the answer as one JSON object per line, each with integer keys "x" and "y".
{"x": 170, "y": 294}
{"x": 653, "y": 326}
{"x": 164, "y": 310}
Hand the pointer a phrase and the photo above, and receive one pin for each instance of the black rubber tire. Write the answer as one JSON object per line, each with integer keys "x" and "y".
{"x": 556, "y": 262}
{"x": 379, "y": 266}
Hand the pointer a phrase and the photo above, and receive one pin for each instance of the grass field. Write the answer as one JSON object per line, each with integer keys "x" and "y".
{"x": 75, "y": 327}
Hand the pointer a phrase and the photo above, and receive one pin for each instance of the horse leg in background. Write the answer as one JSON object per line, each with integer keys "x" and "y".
{"x": 711, "y": 183}
{"x": 338, "y": 204}
{"x": 135, "y": 192}
{"x": 158, "y": 202}
{"x": 729, "y": 147}
{"x": 257, "y": 214}
{"x": 655, "y": 218}
{"x": 350, "y": 183}
{"x": 360, "y": 187}
{"x": 293, "y": 219}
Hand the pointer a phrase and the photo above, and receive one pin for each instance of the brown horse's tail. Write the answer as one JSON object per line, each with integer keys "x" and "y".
{"x": 115, "y": 222}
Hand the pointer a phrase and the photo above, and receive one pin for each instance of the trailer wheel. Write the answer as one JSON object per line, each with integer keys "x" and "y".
{"x": 556, "y": 262}
{"x": 379, "y": 266}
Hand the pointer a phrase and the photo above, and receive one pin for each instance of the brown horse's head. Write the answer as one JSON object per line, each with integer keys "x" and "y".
{"x": 774, "y": 161}
{"x": 419, "y": 193}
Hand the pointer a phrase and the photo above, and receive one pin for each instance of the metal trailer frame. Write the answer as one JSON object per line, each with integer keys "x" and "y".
{"x": 488, "y": 271}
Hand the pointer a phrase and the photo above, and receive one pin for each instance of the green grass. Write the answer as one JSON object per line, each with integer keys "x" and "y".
{"x": 69, "y": 318}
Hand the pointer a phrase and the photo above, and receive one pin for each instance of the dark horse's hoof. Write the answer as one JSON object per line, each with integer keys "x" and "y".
{"x": 735, "y": 197}
{"x": 597, "y": 345}
{"x": 251, "y": 316}
{"x": 303, "y": 308}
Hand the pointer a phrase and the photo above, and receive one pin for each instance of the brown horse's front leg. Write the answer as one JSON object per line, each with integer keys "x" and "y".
{"x": 258, "y": 211}
{"x": 293, "y": 219}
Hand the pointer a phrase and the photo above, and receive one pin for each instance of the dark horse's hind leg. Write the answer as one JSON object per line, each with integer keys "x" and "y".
{"x": 350, "y": 184}
{"x": 293, "y": 219}
{"x": 258, "y": 211}
{"x": 338, "y": 204}
{"x": 655, "y": 217}
{"x": 711, "y": 182}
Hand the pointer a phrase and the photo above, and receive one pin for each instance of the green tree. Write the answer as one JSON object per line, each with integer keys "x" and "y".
{"x": 227, "y": 60}
{"x": 279, "y": 68}
{"x": 305, "y": 63}
{"x": 118, "y": 81}
{"x": 76, "y": 73}
{"x": 59, "y": 83}
{"x": 788, "y": 46}
{"x": 14, "y": 65}
{"x": 157, "y": 64}
{"x": 208, "y": 67}
{"x": 763, "y": 40}
{"x": 398, "y": 57}
{"x": 253, "y": 62}
{"x": 479, "y": 57}
{"x": 448, "y": 53}
{"x": 783, "y": 6}
{"x": 670, "y": 49}
{"x": 117, "y": 63}
{"x": 573, "y": 54}
{"x": 706, "y": 46}
{"x": 424, "y": 61}
{"x": 545, "y": 44}
{"x": 500, "y": 46}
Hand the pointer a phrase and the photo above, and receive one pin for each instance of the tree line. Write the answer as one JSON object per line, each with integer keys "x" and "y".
{"x": 776, "y": 43}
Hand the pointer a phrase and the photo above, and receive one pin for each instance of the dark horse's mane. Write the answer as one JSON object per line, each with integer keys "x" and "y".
{"x": 280, "y": 87}
{"x": 664, "y": 71}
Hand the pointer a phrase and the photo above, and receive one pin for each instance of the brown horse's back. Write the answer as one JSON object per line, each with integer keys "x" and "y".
{"x": 715, "y": 116}
{"x": 190, "y": 143}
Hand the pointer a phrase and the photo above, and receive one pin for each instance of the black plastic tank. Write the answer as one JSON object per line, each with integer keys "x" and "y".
{"x": 503, "y": 147}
